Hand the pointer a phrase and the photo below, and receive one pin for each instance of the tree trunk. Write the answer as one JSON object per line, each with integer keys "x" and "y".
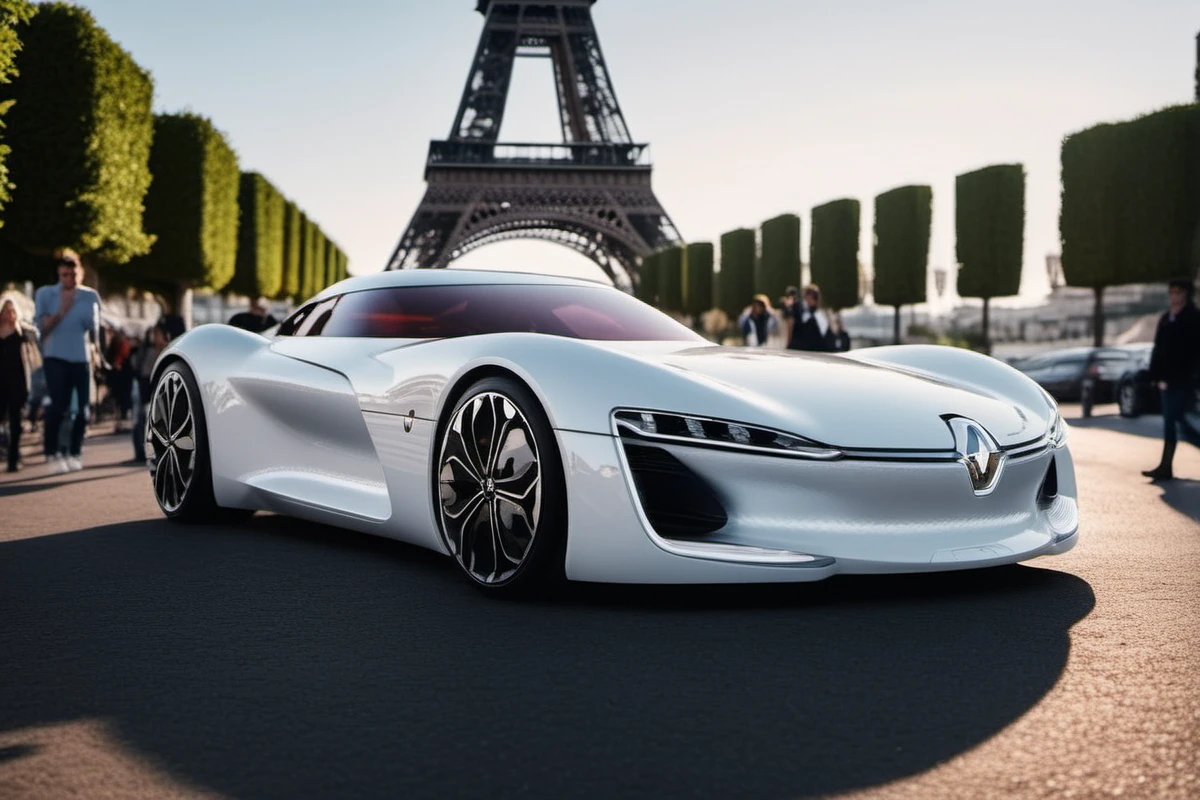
{"x": 987, "y": 337}
{"x": 896, "y": 326}
{"x": 1098, "y": 317}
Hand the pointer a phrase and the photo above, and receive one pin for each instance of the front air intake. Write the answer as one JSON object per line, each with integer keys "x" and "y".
{"x": 677, "y": 501}
{"x": 1049, "y": 487}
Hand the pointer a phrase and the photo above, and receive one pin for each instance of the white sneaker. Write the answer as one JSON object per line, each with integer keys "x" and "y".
{"x": 74, "y": 464}
{"x": 58, "y": 464}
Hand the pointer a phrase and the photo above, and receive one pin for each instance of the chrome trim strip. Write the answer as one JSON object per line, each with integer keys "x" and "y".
{"x": 712, "y": 551}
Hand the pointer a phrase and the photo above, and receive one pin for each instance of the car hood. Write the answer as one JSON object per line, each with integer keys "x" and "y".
{"x": 836, "y": 400}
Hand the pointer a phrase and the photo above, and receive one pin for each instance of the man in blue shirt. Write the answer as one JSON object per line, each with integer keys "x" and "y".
{"x": 67, "y": 313}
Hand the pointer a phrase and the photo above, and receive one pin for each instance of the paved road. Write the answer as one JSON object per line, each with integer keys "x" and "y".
{"x": 281, "y": 659}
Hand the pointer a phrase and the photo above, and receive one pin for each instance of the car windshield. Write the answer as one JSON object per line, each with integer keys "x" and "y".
{"x": 436, "y": 312}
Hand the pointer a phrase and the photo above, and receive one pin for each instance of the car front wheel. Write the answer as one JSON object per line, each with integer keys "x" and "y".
{"x": 500, "y": 491}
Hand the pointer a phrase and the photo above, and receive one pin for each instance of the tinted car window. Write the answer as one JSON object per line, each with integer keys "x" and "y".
{"x": 435, "y": 312}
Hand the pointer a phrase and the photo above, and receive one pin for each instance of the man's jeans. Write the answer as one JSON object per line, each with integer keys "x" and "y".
{"x": 1176, "y": 402}
{"x": 63, "y": 378}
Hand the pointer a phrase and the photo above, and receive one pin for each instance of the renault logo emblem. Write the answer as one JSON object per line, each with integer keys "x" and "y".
{"x": 978, "y": 452}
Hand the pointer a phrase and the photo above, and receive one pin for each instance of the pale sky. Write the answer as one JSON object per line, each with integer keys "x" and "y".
{"x": 752, "y": 108}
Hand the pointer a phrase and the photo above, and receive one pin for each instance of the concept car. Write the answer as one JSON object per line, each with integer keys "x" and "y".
{"x": 535, "y": 427}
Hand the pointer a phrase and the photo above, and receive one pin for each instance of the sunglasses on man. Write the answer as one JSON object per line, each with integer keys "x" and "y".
{"x": 67, "y": 262}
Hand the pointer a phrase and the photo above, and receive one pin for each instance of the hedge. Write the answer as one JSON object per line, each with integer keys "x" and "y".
{"x": 779, "y": 263}
{"x": 670, "y": 279}
{"x": 292, "y": 239}
{"x": 833, "y": 252}
{"x": 989, "y": 217}
{"x": 308, "y": 248}
{"x": 647, "y": 286}
{"x": 259, "y": 266}
{"x": 80, "y": 128}
{"x": 901, "y": 253}
{"x": 192, "y": 205}
{"x": 735, "y": 280}
{"x": 697, "y": 278}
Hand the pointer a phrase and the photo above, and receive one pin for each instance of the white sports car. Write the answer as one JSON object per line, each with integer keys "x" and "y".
{"x": 534, "y": 427}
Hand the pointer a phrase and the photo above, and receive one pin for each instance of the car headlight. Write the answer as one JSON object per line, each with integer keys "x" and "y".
{"x": 1058, "y": 429}
{"x": 705, "y": 431}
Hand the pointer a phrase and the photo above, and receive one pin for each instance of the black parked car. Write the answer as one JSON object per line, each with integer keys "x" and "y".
{"x": 1087, "y": 374}
{"x": 1135, "y": 394}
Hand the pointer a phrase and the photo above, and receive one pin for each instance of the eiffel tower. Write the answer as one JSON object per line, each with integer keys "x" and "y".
{"x": 591, "y": 192}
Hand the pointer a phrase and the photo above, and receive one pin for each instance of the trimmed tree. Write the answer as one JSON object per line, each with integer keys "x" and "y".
{"x": 902, "y": 225}
{"x": 12, "y": 13}
{"x": 833, "y": 252}
{"x": 308, "y": 250}
{"x": 779, "y": 263}
{"x": 192, "y": 208}
{"x": 292, "y": 240}
{"x": 1093, "y": 203}
{"x": 670, "y": 279}
{"x": 1131, "y": 203}
{"x": 989, "y": 215}
{"x": 647, "y": 286}
{"x": 259, "y": 266}
{"x": 735, "y": 280}
{"x": 697, "y": 278}
{"x": 80, "y": 128}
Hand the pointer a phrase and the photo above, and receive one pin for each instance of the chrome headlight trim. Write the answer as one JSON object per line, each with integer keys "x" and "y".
{"x": 700, "y": 431}
{"x": 1057, "y": 433}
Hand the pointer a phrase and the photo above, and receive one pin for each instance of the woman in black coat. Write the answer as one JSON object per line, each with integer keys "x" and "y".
{"x": 19, "y": 357}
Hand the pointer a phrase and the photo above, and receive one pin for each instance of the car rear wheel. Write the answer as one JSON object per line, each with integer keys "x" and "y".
{"x": 1127, "y": 399}
{"x": 499, "y": 489}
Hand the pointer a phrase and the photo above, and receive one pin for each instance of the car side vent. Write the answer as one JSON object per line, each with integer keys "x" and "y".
{"x": 1049, "y": 488}
{"x": 677, "y": 501}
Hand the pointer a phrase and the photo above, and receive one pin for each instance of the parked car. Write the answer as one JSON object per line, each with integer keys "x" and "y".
{"x": 1136, "y": 395}
{"x": 1087, "y": 374}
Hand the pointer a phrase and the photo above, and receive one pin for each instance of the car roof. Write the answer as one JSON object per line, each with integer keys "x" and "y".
{"x": 450, "y": 277}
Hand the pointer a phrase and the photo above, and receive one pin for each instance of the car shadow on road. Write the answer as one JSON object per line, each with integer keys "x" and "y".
{"x": 278, "y": 658}
{"x": 1183, "y": 495}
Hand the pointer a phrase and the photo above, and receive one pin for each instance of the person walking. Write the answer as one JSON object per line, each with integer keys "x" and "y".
{"x": 19, "y": 358}
{"x": 808, "y": 325}
{"x": 1173, "y": 365}
{"x": 68, "y": 316}
{"x": 257, "y": 319}
{"x": 758, "y": 323}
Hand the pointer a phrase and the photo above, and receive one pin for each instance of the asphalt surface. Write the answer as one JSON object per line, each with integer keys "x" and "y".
{"x": 282, "y": 659}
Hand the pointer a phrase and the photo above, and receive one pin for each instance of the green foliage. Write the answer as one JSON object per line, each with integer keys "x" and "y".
{"x": 80, "y": 128}
{"x": 990, "y": 226}
{"x": 833, "y": 252}
{"x": 902, "y": 224}
{"x": 647, "y": 287}
{"x": 192, "y": 205}
{"x": 670, "y": 279}
{"x": 1131, "y": 200}
{"x": 779, "y": 264}
{"x": 259, "y": 267}
{"x": 308, "y": 254}
{"x": 320, "y": 248}
{"x": 735, "y": 280}
{"x": 332, "y": 253}
{"x": 292, "y": 239}
{"x": 12, "y": 13}
{"x": 697, "y": 278}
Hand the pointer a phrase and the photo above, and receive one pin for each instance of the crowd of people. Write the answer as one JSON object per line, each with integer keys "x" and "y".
{"x": 800, "y": 323}
{"x": 54, "y": 367}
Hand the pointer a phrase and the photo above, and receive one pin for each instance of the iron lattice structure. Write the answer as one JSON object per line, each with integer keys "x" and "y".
{"x": 591, "y": 192}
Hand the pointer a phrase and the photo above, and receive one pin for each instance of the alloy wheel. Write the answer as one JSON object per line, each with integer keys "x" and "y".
{"x": 171, "y": 441}
{"x": 489, "y": 479}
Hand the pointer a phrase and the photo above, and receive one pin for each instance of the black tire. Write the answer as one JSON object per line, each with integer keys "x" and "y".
{"x": 1127, "y": 399}
{"x": 182, "y": 478}
{"x": 496, "y": 466}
